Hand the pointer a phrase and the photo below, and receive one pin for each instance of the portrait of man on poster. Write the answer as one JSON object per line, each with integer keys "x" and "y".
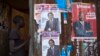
{"x": 53, "y": 50}
{"x": 81, "y": 27}
{"x": 52, "y": 23}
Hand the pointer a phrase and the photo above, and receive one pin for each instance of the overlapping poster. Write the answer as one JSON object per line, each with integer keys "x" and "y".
{"x": 65, "y": 7}
{"x": 89, "y": 47}
{"x": 68, "y": 10}
{"x": 48, "y": 18}
{"x": 50, "y": 44}
{"x": 83, "y": 21}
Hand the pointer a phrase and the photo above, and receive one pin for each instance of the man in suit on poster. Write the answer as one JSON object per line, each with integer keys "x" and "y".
{"x": 53, "y": 50}
{"x": 52, "y": 24}
{"x": 82, "y": 28}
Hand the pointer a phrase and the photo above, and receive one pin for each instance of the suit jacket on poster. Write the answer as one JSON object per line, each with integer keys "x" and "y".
{"x": 56, "y": 51}
{"x": 79, "y": 32}
{"x": 55, "y": 24}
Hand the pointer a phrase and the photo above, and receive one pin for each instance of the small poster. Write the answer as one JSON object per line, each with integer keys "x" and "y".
{"x": 83, "y": 21}
{"x": 89, "y": 47}
{"x": 65, "y": 6}
{"x": 50, "y": 44}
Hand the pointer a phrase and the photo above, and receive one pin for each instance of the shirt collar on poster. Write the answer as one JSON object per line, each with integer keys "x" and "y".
{"x": 82, "y": 22}
{"x": 52, "y": 47}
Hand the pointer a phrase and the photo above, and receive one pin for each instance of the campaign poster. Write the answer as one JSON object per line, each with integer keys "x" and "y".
{"x": 68, "y": 10}
{"x": 83, "y": 21}
{"x": 48, "y": 17}
{"x": 50, "y": 44}
{"x": 65, "y": 7}
{"x": 89, "y": 47}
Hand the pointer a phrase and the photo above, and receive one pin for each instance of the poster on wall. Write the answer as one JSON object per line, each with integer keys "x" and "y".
{"x": 89, "y": 47}
{"x": 65, "y": 7}
{"x": 50, "y": 44}
{"x": 83, "y": 21}
{"x": 68, "y": 10}
{"x": 47, "y": 17}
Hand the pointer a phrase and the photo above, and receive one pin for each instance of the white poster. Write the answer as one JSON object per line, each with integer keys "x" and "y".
{"x": 50, "y": 39}
{"x": 48, "y": 17}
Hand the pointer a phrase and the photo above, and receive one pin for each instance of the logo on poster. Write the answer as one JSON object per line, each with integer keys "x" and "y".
{"x": 46, "y": 7}
{"x": 91, "y": 15}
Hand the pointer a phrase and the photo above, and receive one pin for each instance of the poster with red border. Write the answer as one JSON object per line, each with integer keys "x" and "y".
{"x": 86, "y": 11}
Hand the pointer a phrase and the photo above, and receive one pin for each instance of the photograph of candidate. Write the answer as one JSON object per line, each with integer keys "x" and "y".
{"x": 52, "y": 23}
{"x": 53, "y": 50}
{"x": 81, "y": 27}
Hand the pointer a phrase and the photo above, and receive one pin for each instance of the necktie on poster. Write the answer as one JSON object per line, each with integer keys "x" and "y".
{"x": 82, "y": 26}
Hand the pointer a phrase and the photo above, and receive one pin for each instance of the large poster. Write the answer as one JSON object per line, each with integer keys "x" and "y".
{"x": 83, "y": 21}
{"x": 48, "y": 19}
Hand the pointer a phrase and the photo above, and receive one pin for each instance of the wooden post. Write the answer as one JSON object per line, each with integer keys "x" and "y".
{"x": 31, "y": 29}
